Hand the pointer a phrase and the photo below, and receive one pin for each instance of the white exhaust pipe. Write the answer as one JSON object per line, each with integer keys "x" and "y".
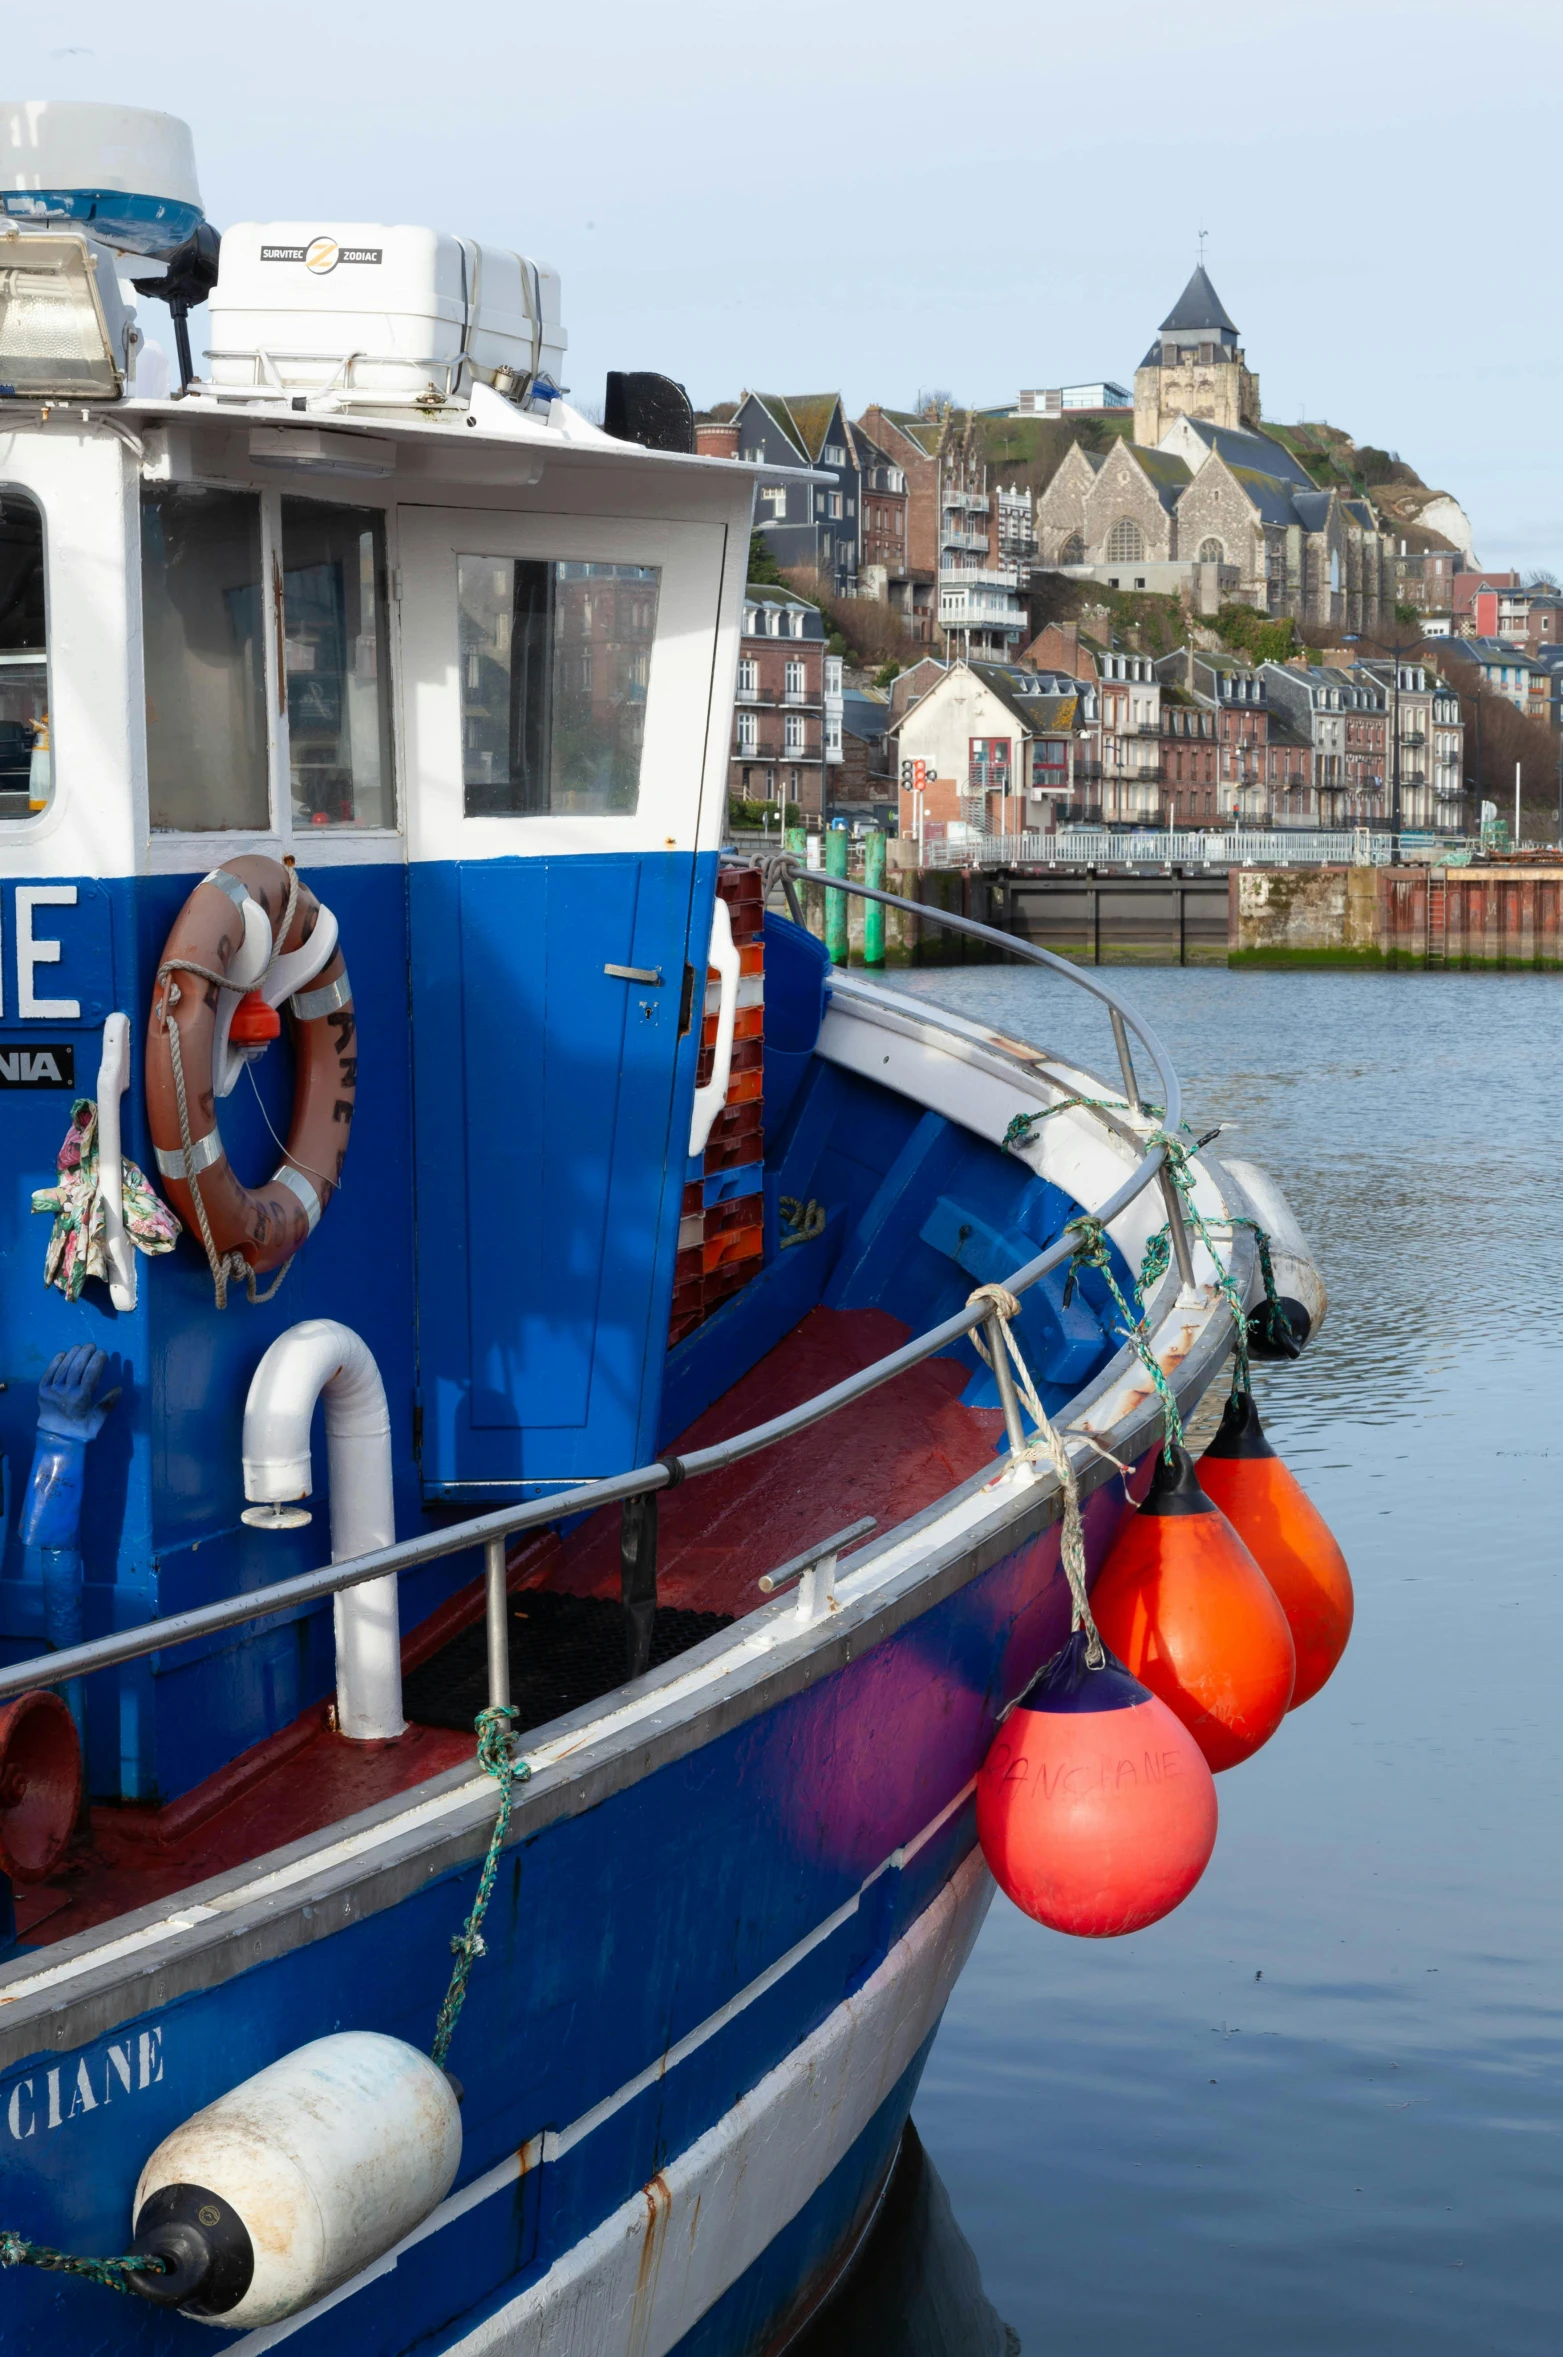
{"x": 315, "y": 1357}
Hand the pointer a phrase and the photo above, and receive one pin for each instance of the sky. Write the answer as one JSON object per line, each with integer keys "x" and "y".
{"x": 894, "y": 198}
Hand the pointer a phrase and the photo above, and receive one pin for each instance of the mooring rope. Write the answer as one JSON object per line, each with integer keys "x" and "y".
{"x": 1005, "y": 1306}
{"x": 17, "y": 2251}
{"x": 497, "y": 1758}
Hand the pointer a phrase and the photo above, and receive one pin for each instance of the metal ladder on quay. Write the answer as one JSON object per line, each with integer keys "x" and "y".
{"x": 1437, "y": 916}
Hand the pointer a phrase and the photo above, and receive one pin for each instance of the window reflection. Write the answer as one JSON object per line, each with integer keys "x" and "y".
{"x": 334, "y": 653}
{"x": 205, "y": 662}
{"x": 555, "y": 664}
{"x": 26, "y": 774}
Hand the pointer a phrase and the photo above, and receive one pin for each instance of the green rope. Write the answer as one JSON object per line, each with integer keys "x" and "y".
{"x": 1090, "y": 1252}
{"x": 1154, "y": 1266}
{"x": 16, "y": 2251}
{"x": 1019, "y": 1130}
{"x": 495, "y": 1756}
{"x": 1278, "y": 1326}
{"x": 1177, "y": 1163}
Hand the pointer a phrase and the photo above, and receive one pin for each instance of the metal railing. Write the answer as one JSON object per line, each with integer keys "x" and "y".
{"x": 1247, "y": 847}
{"x": 493, "y": 1531}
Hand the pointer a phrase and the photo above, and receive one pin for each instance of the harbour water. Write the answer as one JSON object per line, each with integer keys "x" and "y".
{"x": 1320, "y": 2108}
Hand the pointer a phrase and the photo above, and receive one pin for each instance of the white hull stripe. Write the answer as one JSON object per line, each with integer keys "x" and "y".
{"x": 550, "y": 2145}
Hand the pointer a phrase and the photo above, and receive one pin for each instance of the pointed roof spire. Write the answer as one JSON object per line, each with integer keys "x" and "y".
{"x": 1199, "y": 305}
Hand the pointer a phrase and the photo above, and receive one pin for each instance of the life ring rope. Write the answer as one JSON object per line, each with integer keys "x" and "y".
{"x": 193, "y": 1158}
{"x": 245, "y": 1232}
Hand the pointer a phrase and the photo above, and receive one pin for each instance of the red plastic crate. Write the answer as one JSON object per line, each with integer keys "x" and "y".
{"x": 733, "y": 1125}
{"x": 733, "y": 1244}
{"x": 748, "y": 1023}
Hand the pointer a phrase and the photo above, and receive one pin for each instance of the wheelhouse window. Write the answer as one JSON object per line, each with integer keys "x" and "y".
{"x": 334, "y": 639}
{"x": 202, "y": 615}
{"x": 26, "y": 762}
{"x": 555, "y": 663}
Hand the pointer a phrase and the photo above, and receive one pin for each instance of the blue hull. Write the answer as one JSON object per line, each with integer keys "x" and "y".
{"x": 652, "y": 1954}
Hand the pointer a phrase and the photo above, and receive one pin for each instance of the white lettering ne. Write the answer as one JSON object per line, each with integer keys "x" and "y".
{"x": 31, "y": 954}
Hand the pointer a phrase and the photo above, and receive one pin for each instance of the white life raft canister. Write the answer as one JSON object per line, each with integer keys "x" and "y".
{"x": 290, "y": 2183}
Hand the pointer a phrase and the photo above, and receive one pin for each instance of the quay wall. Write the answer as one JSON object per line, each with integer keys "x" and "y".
{"x": 1473, "y": 919}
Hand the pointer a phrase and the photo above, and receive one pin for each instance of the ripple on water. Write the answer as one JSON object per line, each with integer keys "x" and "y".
{"x": 1150, "y": 2149}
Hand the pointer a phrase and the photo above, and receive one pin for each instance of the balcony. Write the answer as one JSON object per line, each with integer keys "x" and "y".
{"x": 979, "y": 609}
{"x": 1412, "y": 737}
{"x": 773, "y": 752}
{"x": 978, "y": 577}
{"x": 953, "y": 537}
{"x": 976, "y": 501}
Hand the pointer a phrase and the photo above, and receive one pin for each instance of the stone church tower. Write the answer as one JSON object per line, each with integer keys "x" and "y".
{"x": 1195, "y": 368}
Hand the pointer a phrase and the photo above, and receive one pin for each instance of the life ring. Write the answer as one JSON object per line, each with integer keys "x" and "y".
{"x": 252, "y": 929}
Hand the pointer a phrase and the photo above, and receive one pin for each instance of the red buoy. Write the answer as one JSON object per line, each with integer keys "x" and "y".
{"x": 1288, "y": 1538}
{"x": 1183, "y": 1603}
{"x": 1095, "y": 1809}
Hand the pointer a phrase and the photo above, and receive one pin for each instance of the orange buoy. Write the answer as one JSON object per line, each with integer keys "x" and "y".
{"x": 1288, "y": 1538}
{"x": 1183, "y": 1603}
{"x": 1095, "y": 1809}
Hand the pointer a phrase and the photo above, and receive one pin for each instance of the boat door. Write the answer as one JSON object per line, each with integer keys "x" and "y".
{"x": 559, "y": 731}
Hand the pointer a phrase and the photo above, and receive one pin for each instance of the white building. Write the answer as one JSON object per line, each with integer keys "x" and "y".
{"x": 1058, "y": 401}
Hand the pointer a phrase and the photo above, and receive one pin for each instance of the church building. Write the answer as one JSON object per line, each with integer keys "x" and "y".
{"x": 1204, "y": 503}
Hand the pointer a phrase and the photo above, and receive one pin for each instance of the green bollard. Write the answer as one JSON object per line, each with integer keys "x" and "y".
{"x": 797, "y": 841}
{"x": 873, "y": 913}
{"x": 836, "y": 846}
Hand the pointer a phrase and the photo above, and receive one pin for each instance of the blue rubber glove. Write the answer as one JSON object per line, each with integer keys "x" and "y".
{"x": 68, "y": 1417}
{"x": 66, "y": 1407}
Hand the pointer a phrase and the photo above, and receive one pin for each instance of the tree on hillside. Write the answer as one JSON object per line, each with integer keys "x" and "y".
{"x": 1496, "y": 737}
{"x": 864, "y": 629}
{"x": 762, "y": 562}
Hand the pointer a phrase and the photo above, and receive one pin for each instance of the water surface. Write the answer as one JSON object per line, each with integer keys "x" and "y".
{"x": 1318, "y": 2109}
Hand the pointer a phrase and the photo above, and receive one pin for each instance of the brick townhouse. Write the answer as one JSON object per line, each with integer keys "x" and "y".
{"x": 779, "y": 748}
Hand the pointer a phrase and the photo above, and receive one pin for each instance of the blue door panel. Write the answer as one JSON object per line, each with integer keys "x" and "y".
{"x": 548, "y": 1094}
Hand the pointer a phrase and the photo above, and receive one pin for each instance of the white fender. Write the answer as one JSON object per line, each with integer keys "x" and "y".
{"x": 325, "y": 2158}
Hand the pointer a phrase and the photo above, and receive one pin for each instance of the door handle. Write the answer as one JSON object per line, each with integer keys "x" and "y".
{"x": 651, "y": 974}
{"x": 710, "y": 1099}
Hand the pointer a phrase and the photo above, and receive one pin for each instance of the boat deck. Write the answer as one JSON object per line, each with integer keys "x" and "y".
{"x": 889, "y": 1455}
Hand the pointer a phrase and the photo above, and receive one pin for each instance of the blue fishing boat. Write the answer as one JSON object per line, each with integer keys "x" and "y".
{"x": 521, "y": 1382}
